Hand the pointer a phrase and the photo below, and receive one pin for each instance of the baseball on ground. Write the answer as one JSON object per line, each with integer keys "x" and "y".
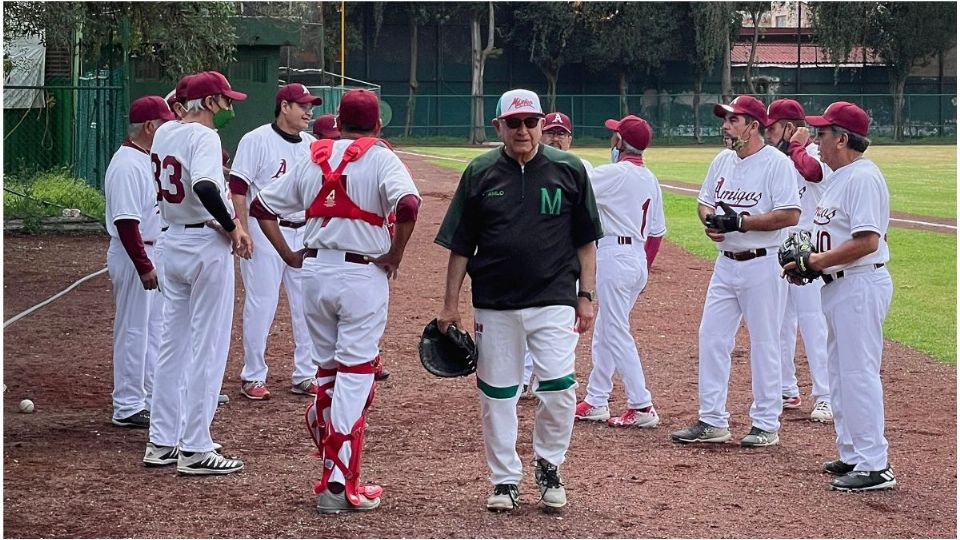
{"x": 26, "y": 406}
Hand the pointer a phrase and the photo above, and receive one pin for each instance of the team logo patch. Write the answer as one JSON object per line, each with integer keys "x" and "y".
{"x": 282, "y": 170}
{"x": 519, "y": 103}
{"x": 331, "y": 199}
{"x": 551, "y": 202}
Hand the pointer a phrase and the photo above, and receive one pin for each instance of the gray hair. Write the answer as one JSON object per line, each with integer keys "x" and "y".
{"x": 857, "y": 143}
{"x": 133, "y": 130}
{"x": 628, "y": 148}
{"x": 194, "y": 105}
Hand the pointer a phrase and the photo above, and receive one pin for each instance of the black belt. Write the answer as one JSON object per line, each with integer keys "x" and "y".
{"x": 148, "y": 242}
{"x": 355, "y": 258}
{"x": 195, "y": 225}
{"x": 624, "y": 240}
{"x": 291, "y": 224}
{"x": 745, "y": 255}
{"x": 164, "y": 229}
{"x": 830, "y": 278}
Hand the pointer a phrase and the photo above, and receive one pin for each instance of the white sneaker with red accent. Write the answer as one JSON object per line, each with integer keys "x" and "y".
{"x": 255, "y": 390}
{"x": 586, "y": 411}
{"x": 646, "y": 417}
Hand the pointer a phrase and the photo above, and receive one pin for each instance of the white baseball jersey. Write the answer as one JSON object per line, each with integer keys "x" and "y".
{"x": 810, "y": 192}
{"x": 629, "y": 200}
{"x": 183, "y": 154}
{"x": 758, "y": 184}
{"x": 295, "y": 192}
{"x": 263, "y": 157}
{"x": 131, "y": 191}
{"x": 855, "y": 200}
{"x": 587, "y": 165}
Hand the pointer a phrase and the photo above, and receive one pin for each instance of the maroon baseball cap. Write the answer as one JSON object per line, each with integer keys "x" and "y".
{"x": 784, "y": 109}
{"x": 211, "y": 83}
{"x": 842, "y": 114}
{"x": 325, "y": 127}
{"x": 359, "y": 107}
{"x": 297, "y": 93}
{"x": 634, "y": 130}
{"x": 557, "y": 120}
{"x": 748, "y": 105}
{"x": 146, "y": 108}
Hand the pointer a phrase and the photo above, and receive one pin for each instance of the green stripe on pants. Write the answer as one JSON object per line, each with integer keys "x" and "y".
{"x": 494, "y": 392}
{"x": 555, "y": 385}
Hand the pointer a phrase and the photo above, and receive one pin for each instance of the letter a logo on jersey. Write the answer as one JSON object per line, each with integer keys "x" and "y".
{"x": 331, "y": 199}
{"x": 282, "y": 170}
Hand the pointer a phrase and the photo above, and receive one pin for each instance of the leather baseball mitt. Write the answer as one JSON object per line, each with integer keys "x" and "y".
{"x": 450, "y": 354}
{"x": 797, "y": 248}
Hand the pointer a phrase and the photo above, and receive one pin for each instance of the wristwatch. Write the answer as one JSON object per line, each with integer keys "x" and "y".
{"x": 586, "y": 294}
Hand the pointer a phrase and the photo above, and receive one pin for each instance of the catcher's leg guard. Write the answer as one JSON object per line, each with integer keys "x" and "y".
{"x": 318, "y": 411}
{"x": 332, "y": 441}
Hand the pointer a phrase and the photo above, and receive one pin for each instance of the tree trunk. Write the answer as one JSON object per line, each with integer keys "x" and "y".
{"x": 412, "y": 98}
{"x": 753, "y": 52}
{"x": 478, "y": 60}
{"x": 899, "y": 84}
{"x": 697, "y": 90}
{"x": 624, "y": 86}
{"x": 323, "y": 52}
{"x": 552, "y": 76}
{"x": 725, "y": 84}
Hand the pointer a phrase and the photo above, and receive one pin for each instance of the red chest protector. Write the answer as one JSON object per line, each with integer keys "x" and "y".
{"x": 332, "y": 200}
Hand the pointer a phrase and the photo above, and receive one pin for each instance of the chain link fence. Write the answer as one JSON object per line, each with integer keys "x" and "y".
{"x": 925, "y": 115}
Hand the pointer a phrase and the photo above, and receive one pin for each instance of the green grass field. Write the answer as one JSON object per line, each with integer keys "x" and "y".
{"x": 923, "y": 264}
{"x": 922, "y": 179}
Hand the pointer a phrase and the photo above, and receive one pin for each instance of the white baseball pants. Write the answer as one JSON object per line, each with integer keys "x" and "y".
{"x": 262, "y": 275}
{"x": 136, "y": 333}
{"x": 855, "y": 307}
{"x": 345, "y": 307}
{"x": 501, "y": 337}
{"x": 803, "y": 308}
{"x": 621, "y": 277}
{"x": 752, "y": 290}
{"x": 198, "y": 287}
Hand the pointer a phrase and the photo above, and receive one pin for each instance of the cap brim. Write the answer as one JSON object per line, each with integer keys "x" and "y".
{"x": 234, "y": 95}
{"x": 817, "y": 121}
{"x": 722, "y": 110}
{"x": 313, "y": 100}
{"x": 168, "y": 115}
{"x": 611, "y": 124}
{"x": 528, "y": 113}
{"x": 552, "y": 127}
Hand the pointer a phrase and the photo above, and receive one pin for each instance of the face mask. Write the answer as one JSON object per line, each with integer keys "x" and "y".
{"x": 739, "y": 141}
{"x": 614, "y": 154}
{"x": 223, "y": 117}
{"x": 783, "y": 145}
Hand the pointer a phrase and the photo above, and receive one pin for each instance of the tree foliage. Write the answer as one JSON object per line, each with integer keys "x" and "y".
{"x": 902, "y": 34}
{"x": 180, "y": 36}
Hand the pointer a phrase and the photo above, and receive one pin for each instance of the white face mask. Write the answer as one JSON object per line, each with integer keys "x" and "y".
{"x": 614, "y": 154}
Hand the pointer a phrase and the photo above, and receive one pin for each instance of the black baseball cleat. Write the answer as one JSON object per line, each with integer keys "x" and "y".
{"x": 865, "y": 481}
{"x": 136, "y": 420}
{"x": 382, "y": 375}
{"x": 837, "y": 467}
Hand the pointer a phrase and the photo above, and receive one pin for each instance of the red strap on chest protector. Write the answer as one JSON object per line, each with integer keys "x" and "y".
{"x": 332, "y": 200}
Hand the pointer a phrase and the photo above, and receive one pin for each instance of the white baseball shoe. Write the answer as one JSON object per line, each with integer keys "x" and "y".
{"x": 586, "y": 411}
{"x": 822, "y": 412}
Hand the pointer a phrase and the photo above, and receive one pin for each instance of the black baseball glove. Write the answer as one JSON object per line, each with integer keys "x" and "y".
{"x": 797, "y": 248}
{"x": 728, "y": 221}
{"x": 450, "y": 354}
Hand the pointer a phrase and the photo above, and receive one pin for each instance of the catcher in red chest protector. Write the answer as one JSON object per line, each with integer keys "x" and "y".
{"x": 347, "y": 188}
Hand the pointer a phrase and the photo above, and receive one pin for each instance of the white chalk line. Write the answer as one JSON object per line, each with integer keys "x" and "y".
{"x": 689, "y": 190}
{"x": 23, "y": 314}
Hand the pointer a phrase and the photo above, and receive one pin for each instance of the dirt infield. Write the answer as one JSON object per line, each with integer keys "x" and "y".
{"x": 69, "y": 473}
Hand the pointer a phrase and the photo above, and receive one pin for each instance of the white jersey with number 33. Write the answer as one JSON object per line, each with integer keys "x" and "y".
{"x": 182, "y": 155}
{"x": 856, "y": 199}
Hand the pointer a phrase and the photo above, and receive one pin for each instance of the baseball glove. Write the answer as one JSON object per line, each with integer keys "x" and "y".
{"x": 728, "y": 221}
{"x": 797, "y": 248}
{"x": 450, "y": 354}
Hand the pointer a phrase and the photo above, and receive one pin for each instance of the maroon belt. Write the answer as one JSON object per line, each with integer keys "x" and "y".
{"x": 830, "y": 278}
{"x": 291, "y": 224}
{"x": 745, "y": 255}
{"x": 355, "y": 258}
{"x": 148, "y": 242}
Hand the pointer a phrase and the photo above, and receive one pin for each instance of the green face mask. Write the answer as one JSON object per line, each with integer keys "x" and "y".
{"x": 223, "y": 117}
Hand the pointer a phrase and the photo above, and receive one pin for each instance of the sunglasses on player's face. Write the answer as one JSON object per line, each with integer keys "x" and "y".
{"x": 514, "y": 123}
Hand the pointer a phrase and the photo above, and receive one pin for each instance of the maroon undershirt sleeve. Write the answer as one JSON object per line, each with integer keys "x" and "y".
{"x": 238, "y": 186}
{"x": 259, "y": 211}
{"x": 651, "y": 247}
{"x": 129, "y": 232}
{"x": 407, "y": 208}
{"x": 808, "y": 167}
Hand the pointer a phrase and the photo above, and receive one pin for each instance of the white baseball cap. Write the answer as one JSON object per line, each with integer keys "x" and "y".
{"x": 518, "y": 101}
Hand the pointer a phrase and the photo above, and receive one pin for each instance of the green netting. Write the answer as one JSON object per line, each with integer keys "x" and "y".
{"x": 99, "y": 125}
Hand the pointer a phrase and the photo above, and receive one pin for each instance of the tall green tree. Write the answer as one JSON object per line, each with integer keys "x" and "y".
{"x": 756, "y": 10}
{"x": 482, "y": 17}
{"x": 902, "y": 34}
{"x": 179, "y": 36}
{"x": 633, "y": 38}
{"x": 550, "y": 33}
{"x": 417, "y": 14}
{"x": 704, "y": 35}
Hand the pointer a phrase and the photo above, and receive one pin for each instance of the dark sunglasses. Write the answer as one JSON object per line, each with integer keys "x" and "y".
{"x": 514, "y": 122}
